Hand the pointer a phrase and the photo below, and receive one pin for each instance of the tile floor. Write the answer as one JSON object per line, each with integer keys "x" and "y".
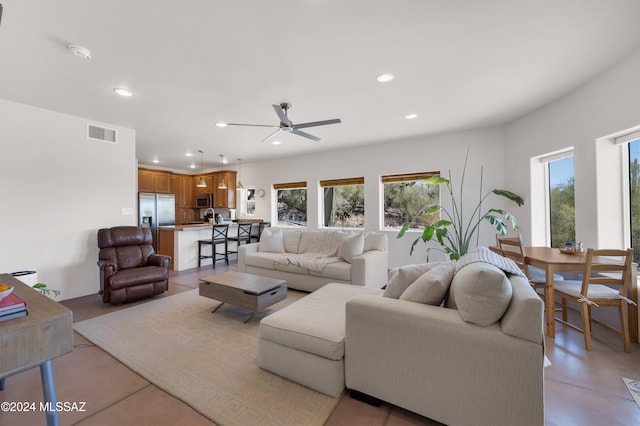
{"x": 581, "y": 388}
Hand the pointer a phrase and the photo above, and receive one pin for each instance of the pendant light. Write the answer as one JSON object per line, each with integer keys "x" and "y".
{"x": 239, "y": 185}
{"x": 201, "y": 183}
{"x": 222, "y": 184}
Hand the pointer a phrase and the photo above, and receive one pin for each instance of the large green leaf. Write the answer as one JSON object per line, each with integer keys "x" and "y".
{"x": 510, "y": 195}
{"x": 435, "y": 180}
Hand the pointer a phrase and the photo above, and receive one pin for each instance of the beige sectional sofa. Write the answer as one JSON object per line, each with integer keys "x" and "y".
{"x": 307, "y": 259}
{"x": 474, "y": 358}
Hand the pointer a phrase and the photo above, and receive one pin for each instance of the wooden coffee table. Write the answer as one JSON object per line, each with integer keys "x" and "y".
{"x": 247, "y": 291}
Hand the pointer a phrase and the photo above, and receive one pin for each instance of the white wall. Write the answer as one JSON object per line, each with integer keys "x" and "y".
{"x": 443, "y": 152}
{"x": 57, "y": 189}
{"x": 604, "y": 106}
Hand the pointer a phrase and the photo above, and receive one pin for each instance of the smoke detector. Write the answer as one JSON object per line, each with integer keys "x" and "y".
{"x": 81, "y": 51}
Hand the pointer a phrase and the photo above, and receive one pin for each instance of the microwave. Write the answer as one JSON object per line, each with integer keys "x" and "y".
{"x": 204, "y": 201}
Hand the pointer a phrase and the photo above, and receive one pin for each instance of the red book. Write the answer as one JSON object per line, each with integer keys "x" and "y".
{"x": 11, "y": 302}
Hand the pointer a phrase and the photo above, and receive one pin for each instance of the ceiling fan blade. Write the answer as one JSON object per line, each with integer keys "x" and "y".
{"x": 281, "y": 115}
{"x": 305, "y": 135}
{"x": 271, "y": 135}
{"x": 253, "y": 125}
{"x": 317, "y": 123}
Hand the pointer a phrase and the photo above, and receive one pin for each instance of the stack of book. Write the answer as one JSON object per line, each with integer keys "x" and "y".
{"x": 12, "y": 307}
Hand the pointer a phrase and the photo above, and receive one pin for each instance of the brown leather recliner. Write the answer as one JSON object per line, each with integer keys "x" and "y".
{"x": 129, "y": 268}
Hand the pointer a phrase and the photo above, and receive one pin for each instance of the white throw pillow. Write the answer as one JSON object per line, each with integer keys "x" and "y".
{"x": 402, "y": 277}
{"x": 375, "y": 241}
{"x": 431, "y": 287}
{"x": 351, "y": 246}
{"x": 271, "y": 241}
{"x": 481, "y": 292}
{"x": 291, "y": 240}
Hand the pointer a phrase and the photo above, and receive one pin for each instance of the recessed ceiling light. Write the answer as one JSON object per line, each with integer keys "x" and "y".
{"x": 80, "y": 51}
{"x": 383, "y": 78}
{"x": 193, "y": 166}
{"x": 411, "y": 116}
{"x": 221, "y": 124}
{"x": 155, "y": 160}
{"x": 123, "y": 92}
{"x": 188, "y": 154}
{"x": 276, "y": 143}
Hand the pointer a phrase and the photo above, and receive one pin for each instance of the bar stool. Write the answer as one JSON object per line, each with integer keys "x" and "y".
{"x": 261, "y": 227}
{"x": 219, "y": 235}
{"x": 244, "y": 234}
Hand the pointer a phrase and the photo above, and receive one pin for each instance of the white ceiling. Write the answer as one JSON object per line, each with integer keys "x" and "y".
{"x": 458, "y": 64}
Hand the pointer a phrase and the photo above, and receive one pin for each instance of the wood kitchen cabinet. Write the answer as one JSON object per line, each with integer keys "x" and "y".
{"x": 225, "y": 198}
{"x": 208, "y": 179}
{"x": 154, "y": 181}
{"x": 183, "y": 188}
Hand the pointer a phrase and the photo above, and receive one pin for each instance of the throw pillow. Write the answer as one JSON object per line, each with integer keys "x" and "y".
{"x": 431, "y": 287}
{"x": 291, "y": 240}
{"x": 375, "y": 241}
{"x": 351, "y": 246}
{"x": 481, "y": 292}
{"x": 271, "y": 241}
{"x": 401, "y": 277}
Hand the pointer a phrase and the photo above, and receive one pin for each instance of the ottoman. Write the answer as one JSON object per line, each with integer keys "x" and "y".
{"x": 304, "y": 341}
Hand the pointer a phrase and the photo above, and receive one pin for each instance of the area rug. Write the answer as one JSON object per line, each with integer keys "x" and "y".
{"x": 209, "y": 361}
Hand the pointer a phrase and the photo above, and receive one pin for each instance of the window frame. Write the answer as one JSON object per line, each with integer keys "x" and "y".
{"x": 397, "y": 178}
{"x": 325, "y": 183}
{"x": 286, "y": 186}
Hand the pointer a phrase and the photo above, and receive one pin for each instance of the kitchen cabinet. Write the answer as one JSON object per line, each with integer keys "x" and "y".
{"x": 154, "y": 181}
{"x": 208, "y": 179}
{"x": 183, "y": 188}
{"x": 225, "y": 198}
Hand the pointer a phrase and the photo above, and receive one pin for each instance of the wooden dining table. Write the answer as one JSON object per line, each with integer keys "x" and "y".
{"x": 552, "y": 260}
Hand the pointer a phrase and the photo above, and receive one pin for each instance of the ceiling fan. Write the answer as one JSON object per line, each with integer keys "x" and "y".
{"x": 286, "y": 126}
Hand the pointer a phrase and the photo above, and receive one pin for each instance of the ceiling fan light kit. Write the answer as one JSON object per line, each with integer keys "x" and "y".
{"x": 286, "y": 126}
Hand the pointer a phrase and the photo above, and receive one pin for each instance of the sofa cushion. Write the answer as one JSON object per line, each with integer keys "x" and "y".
{"x": 481, "y": 293}
{"x": 271, "y": 241}
{"x": 375, "y": 241}
{"x": 431, "y": 287}
{"x": 291, "y": 267}
{"x": 291, "y": 240}
{"x": 351, "y": 246}
{"x": 400, "y": 278}
{"x": 262, "y": 259}
{"x": 324, "y": 243}
{"x": 335, "y": 271}
{"x": 315, "y": 323}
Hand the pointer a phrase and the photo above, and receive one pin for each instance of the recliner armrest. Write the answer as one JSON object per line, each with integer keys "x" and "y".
{"x": 159, "y": 260}
{"x": 105, "y": 264}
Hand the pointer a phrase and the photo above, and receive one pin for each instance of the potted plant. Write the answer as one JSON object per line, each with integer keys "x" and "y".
{"x": 42, "y": 288}
{"x": 454, "y": 232}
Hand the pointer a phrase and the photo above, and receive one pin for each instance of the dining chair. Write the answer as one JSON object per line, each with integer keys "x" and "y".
{"x": 511, "y": 247}
{"x": 219, "y": 235}
{"x": 605, "y": 283}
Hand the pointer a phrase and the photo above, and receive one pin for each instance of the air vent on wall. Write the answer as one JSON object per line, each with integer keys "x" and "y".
{"x": 101, "y": 133}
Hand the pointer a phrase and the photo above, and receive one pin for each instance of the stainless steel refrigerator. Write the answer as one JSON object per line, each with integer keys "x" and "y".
{"x": 156, "y": 210}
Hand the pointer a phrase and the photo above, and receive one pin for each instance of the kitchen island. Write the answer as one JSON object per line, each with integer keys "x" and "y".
{"x": 181, "y": 243}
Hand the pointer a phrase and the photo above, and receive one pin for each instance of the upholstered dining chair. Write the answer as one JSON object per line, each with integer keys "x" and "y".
{"x": 605, "y": 283}
{"x": 511, "y": 246}
{"x": 219, "y": 235}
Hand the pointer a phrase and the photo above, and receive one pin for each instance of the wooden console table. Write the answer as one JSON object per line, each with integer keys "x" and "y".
{"x": 34, "y": 340}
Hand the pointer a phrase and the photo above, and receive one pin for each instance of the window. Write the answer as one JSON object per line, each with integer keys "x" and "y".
{"x": 634, "y": 196}
{"x": 343, "y": 202}
{"x": 291, "y": 204}
{"x": 561, "y": 200}
{"x": 406, "y": 197}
